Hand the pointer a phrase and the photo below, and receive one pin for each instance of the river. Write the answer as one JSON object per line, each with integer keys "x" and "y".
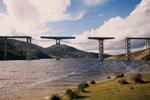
{"x": 36, "y": 79}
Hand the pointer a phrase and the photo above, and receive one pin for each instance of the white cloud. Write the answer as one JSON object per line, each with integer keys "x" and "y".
{"x": 137, "y": 24}
{"x": 100, "y": 15}
{"x": 112, "y": 13}
{"x": 29, "y": 17}
{"x": 60, "y": 30}
{"x": 94, "y": 2}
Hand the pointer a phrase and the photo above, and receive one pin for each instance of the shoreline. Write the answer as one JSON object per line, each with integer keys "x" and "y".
{"x": 105, "y": 80}
{"x": 46, "y": 96}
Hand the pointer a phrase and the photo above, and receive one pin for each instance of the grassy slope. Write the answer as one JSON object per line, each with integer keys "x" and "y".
{"x": 112, "y": 90}
{"x": 133, "y": 56}
{"x": 39, "y": 54}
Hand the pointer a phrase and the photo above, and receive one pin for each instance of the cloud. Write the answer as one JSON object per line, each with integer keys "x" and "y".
{"x": 29, "y": 17}
{"x": 112, "y": 13}
{"x": 93, "y": 2}
{"x": 60, "y": 30}
{"x": 137, "y": 24}
{"x": 100, "y": 15}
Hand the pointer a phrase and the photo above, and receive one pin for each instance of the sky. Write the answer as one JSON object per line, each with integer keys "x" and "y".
{"x": 80, "y": 19}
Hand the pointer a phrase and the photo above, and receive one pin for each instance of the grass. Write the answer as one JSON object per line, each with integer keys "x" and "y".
{"x": 137, "y": 78}
{"x": 122, "y": 81}
{"x": 112, "y": 90}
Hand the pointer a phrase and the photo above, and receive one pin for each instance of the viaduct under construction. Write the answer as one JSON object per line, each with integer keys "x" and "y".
{"x": 100, "y": 40}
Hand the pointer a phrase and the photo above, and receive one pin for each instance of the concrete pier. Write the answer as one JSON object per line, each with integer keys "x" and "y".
{"x": 5, "y": 48}
{"x": 57, "y": 43}
{"x": 128, "y": 46}
{"x": 101, "y": 47}
{"x": 147, "y": 45}
{"x": 57, "y": 49}
{"x": 127, "y": 49}
{"x": 101, "y": 50}
{"x": 28, "y": 52}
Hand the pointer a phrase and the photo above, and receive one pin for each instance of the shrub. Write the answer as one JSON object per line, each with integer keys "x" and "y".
{"x": 92, "y": 82}
{"x": 85, "y": 84}
{"x": 120, "y": 75}
{"x": 122, "y": 81}
{"x": 137, "y": 78}
{"x": 82, "y": 85}
{"x": 108, "y": 77}
{"x": 72, "y": 94}
{"x": 132, "y": 87}
{"x": 55, "y": 97}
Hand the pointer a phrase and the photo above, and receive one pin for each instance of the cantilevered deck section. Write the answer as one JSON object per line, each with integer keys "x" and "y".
{"x": 101, "y": 47}
{"x": 57, "y": 43}
{"x": 28, "y": 51}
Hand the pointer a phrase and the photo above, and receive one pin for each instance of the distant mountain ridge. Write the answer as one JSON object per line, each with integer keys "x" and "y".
{"x": 50, "y": 52}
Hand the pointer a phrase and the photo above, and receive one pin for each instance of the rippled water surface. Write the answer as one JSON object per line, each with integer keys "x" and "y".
{"x": 32, "y": 80}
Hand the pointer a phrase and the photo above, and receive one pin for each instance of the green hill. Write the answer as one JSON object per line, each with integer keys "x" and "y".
{"x": 134, "y": 56}
{"x": 12, "y": 52}
{"x": 40, "y": 54}
{"x": 65, "y": 51}
{"x": 71, "y": 52}
{"x": 21, "y": 45}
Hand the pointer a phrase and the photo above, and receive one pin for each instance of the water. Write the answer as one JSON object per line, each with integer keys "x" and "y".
{"x": 33, "y": 80}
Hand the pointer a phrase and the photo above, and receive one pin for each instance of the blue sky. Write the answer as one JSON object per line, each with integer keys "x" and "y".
{"x": 92, "y": 19}
{"x": 79, "y": 18}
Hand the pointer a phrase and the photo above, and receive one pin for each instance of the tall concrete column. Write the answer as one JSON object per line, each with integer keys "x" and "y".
{"x": 57, "y": 49}
{"x": 5, "y": 48}
{"x": 28, "y": 51}
{"x": 147, "y": 45}
{"x": 101, "y": 50}
{"x": 127, "y": 49}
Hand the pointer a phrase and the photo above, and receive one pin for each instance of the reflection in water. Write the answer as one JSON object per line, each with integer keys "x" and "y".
{"x": 19, "y": 79}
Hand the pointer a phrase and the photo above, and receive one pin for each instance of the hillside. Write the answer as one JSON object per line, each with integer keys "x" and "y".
{"x": 134, "y": 56}
{"x": 21, "y": 45}
{"x": 13, "y": 53}
{"x": 71, "y": 52}
{"x": 40, "y": 54}
{"x": 66, "y": 51}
